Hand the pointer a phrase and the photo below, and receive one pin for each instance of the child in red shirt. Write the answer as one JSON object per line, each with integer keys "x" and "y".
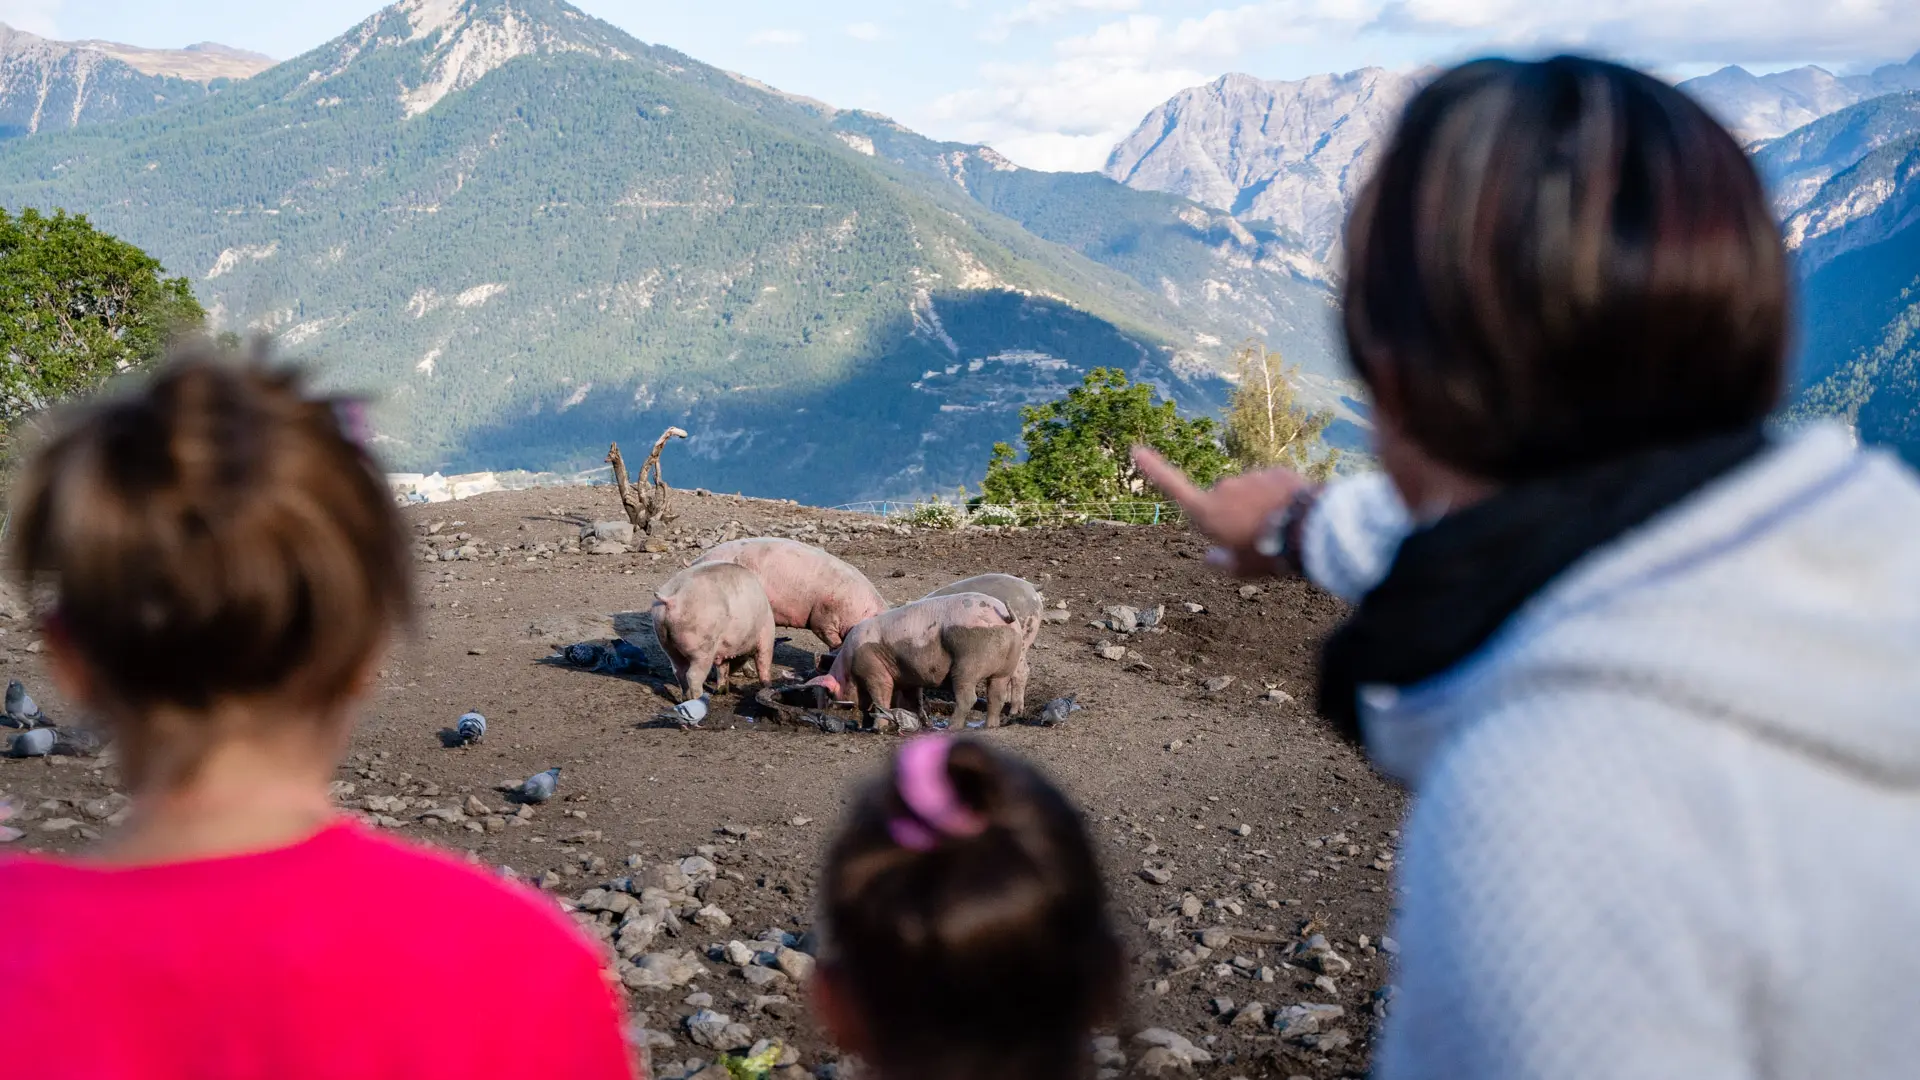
{"x": 227, "y": 566}
{"x": 964, "y": 932}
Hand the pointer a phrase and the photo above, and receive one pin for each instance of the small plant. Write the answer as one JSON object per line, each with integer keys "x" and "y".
{"x": 936, "y": 515}
{"x": 755, "y": 1066}
{"x": 994, "y": 514}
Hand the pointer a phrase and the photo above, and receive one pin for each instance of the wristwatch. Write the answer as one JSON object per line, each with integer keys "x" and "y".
{"x": 1280, "y": 538}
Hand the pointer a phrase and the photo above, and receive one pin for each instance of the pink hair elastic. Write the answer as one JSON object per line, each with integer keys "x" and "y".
{"x": 920, "y": 776}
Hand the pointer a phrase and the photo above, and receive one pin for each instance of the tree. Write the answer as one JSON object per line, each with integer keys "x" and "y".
{"x": 1266, "y": 427}
{"x": 1077, "y": 447}
{"x": 77, "y": 307}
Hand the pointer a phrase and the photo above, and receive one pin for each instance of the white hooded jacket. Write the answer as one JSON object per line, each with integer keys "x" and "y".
{"x": 1667, "y": 821}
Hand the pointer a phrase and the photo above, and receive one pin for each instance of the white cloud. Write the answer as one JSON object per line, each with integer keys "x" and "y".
{"x": 1067, "y": 112}
{"x": 1035, "y": 12}
{"x": 777, "y": 37}
{"x": 34, "y": 16}
{"x": 865, "y": 31}
{"x": 1673, "y": 30}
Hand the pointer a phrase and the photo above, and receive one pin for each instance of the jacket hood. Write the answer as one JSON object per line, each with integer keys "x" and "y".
{"x": 1783, "y": 599}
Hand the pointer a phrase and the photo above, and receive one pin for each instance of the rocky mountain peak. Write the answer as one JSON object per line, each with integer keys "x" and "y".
{"x": 1293, "y": 152}
{"x": 453, "y": 44}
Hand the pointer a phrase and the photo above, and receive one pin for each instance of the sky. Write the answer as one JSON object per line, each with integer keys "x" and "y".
{"x": 1054, "y": 84}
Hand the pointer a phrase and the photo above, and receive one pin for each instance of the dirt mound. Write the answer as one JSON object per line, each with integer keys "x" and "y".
{"x": 1249, "y": 850}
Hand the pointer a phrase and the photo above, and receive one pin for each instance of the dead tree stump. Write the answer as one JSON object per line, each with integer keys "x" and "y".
{"x": 646, "y": 501}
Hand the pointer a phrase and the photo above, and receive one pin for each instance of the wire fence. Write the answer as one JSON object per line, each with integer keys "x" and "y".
{"x": 938, "y": 514}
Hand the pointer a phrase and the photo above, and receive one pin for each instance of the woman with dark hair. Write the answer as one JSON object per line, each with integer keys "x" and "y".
{"x": 1653, "y": 674}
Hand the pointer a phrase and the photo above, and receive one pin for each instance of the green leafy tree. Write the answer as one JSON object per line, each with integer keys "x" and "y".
{"x": 76, "y": 308}
{"x": 1267, "y": 427}
{"x": 1077, "y": 447}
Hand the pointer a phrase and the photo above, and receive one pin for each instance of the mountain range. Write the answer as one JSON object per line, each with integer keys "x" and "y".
{"x": 1762, "y": 107}
{"x": 54, "y": 85}
{"x": 530, "y": 233}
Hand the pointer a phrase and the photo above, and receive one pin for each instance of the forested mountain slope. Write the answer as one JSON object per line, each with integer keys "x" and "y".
{"x": 529, "y": 232}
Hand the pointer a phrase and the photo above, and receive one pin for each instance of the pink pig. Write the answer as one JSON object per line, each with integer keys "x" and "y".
{"x": 969, "y": 638}
{"x": 1023, "y": 600}
{"x": 806, "y": 586}
{"x": 708, "y": 614}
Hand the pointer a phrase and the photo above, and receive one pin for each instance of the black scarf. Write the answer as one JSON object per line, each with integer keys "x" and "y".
{"x": 1454, "y": 583}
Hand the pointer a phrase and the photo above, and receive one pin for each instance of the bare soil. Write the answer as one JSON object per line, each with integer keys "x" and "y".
{"x": 1170, "y": 774}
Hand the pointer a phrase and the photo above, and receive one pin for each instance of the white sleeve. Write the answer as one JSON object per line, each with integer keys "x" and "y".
{"x": 1352, "y": 533}
{"x": 1577, "y": 906}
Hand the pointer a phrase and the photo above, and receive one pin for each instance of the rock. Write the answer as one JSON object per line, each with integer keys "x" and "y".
{"x": 1156, "y": 875}
{"x": 608, "y": 547}
{"x": 1160, "y": 1061}
{"x": 1218, "y": 683}
{"x": 1328, "y": 1041}
{"x": 475, "y": 808}
{"x": 1297, "y": 1021}
{"x": 1108, "y": 651}
{"x": 1178, "y": 1044}
{"x": 662, "y": 971}
{"x": 1192, "y": 608}
{"x": 619, "y": 532}
{"x": 1190, "y": 906}
{"x": 762, "y": 978}
{"x": 795, "y": 963}
{"x": 1251, "y": 1015}
{"x": 712, "y": 919}
{"x": 666, "y": 877}
{"x": 1055, "y": 615}
{"x": 1248, "y": 592}
{"x": 1277, "y": 696}
{"x": 740, "y": 954}
{"x": 1326, "y": 985}
{"x": 717, "y": 1031}
{"x": 59, "y": 824}
{"x": 1107, "y": 1053}
{"x": 1122, "y": 619}
{"x": 636, "y": 934}
{"x": 699, "y": 869}
{"x": 1222, "y": 1006}
{"x": 1216, "y": 937}
{"x": 1320, "y": 955}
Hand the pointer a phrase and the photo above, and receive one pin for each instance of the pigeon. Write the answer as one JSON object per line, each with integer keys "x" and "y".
{"x": 76, "y": 742}
{"x": 584, "y": 654}
{"x": 35, "y": 743}
{"x": 471, "y": 728}
{"x": 1058, "y": 710}
{"x": 688, "y": 714}
{"x": 21, "y": 708}
{"x": 540, "y": 787}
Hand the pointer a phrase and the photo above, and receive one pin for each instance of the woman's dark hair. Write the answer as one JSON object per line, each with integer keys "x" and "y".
{"x": 980, "y": 955}
{"x": 1562, "y": 262}
{"x": 217, "y": 534}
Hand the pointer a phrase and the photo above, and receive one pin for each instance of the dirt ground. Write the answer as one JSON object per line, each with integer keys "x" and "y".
{"x": 1250, "y": 807}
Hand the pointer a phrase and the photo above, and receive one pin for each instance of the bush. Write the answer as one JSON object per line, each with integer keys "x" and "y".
{"x": 1078, "y": 447}
{"x": 936, "y": 515}
{"x": 993, "y": 514}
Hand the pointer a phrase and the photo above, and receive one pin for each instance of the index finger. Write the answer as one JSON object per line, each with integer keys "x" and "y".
{"x": 1164, "y": 475}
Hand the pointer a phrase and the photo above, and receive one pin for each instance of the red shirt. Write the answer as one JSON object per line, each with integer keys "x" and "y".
{"x": 347, "y": 955}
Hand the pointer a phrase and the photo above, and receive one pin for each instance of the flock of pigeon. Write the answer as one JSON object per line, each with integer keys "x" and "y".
{"x": 41, "y": 736}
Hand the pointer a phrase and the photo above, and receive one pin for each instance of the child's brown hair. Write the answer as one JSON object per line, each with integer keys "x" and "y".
{"x": 965, "y": 920}
{"x": 217, "y": 535}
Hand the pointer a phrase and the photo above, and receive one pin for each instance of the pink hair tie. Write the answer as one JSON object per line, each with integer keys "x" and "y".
{"x": 920, "y": 776}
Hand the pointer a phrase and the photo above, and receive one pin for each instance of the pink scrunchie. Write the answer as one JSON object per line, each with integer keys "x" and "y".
{"x": 920, "y": 776}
